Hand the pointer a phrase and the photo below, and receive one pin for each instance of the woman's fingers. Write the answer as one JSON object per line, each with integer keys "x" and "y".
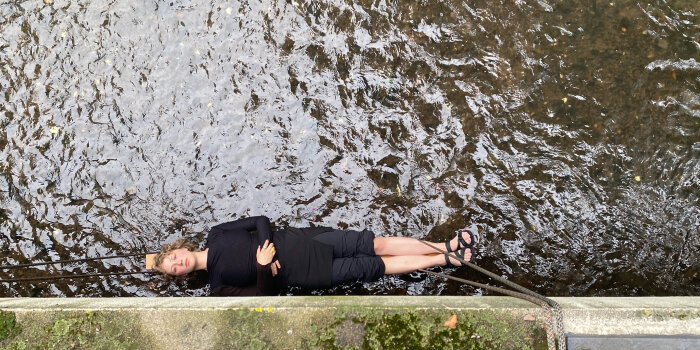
{"x": 266, "y": 253}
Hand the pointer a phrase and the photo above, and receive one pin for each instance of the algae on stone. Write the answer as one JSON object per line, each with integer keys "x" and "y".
{"x": 7, "y": 324}
{"x": 424, "y": 329}
{"x": 76, "y": 329}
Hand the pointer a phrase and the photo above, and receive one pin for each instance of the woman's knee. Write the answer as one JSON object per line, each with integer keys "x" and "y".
{"x": 379, "y": 244}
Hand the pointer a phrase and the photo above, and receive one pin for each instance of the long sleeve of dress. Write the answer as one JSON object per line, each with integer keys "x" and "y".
{"x": 253, "y": 223}
{"x": 265, "y": 285}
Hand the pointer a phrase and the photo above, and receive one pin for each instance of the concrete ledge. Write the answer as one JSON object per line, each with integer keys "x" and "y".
{"x": 328, "y": 321}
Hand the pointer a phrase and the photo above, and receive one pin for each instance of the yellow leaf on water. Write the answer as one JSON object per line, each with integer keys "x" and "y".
{"x": 564, "y": 99}
{"x": 53, "y": 130}
{"x": 637, "y": 178}
{"x": 228, "y": 10}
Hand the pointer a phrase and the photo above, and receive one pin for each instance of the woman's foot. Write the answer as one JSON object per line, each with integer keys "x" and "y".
{"x": 463, "y": 239}
{"x": 464, "y": 254}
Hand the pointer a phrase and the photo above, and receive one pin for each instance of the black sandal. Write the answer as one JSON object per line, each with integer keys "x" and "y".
{"x": 459, "y": 254}
{"x": 461, "y": 243}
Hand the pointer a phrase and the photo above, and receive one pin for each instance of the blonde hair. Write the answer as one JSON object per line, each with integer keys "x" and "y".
{"x": 165, "y": 251}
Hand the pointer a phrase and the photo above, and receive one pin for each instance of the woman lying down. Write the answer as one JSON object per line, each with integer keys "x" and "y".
{"x": 240, "y": 263}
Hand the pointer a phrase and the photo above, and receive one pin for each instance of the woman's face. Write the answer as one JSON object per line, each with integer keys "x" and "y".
{"x": 178, "y": 262}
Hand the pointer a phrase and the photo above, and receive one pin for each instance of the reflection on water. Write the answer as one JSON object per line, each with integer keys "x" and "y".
{"x": 566, "y": 132}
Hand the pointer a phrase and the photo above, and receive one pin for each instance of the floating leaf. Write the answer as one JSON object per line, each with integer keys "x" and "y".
{"x": 564, "y": 99}
{"x": 228, "y": 10}
{"x": 53, "y": 130}
{"x": 637, "y": 178}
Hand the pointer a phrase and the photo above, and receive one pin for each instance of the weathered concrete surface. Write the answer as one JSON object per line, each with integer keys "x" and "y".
{"x": 327, "y": 322}
{"x": 642, "y": 342}
{"x": 631, "y": 315}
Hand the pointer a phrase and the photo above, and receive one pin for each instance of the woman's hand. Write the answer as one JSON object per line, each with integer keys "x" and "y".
{"x": 266, "y": 253}
{"x": 275, "y": 265}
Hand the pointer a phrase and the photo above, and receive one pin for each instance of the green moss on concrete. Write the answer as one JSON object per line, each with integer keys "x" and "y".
{"x": 664, "y": 315}
{"x": 78, "y": 329}
{"x": 269, "y": 328}
{"x": 425, "y": 329}
{"x": 361, "y": 328}
{"x": 7, "y": 324}
{"x": 241, "y": 329}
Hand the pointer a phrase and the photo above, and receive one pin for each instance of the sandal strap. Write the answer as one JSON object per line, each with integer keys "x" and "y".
{"x": 461, "y": 242}
{"x": 460, "y": 253}
{"x": 447, "y": 260}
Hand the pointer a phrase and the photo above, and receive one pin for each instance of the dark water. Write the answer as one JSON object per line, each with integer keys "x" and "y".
{"x": 566, "y": 132}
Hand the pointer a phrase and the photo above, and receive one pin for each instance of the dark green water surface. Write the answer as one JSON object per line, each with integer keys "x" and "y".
{"x": 567, "y": 133}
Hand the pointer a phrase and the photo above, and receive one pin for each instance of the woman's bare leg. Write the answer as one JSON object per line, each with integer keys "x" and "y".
{"x": 410, "y": 263}
{"x": 411, "y": 246}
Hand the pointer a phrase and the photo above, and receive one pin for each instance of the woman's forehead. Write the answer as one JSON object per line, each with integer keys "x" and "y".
{"x": 178, "y": 250}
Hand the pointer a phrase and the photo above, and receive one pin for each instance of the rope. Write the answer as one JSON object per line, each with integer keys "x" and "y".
{"x": 48, "y": 278}
{"x": 7, "y": 267}
{"x": 554, "y": 320}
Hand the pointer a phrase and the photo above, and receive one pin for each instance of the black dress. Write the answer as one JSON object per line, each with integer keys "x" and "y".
{"x": 233, "y": 268}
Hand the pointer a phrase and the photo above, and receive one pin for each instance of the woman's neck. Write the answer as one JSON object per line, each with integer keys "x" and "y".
{"x": 201, "y": 257}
